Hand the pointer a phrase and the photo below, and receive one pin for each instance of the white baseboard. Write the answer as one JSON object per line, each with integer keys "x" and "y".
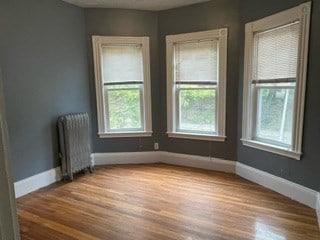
{"x": 37, "y": 181}
{"x": 164, "y": 157}
{"x": 124, "y": 158}
{"x": 318, "y": 208}
{"x": 292, "y": 190}
{"x": 197, "y": 161}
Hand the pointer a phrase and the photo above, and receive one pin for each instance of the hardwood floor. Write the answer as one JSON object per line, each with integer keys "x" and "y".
{"x": 160, "y": 201}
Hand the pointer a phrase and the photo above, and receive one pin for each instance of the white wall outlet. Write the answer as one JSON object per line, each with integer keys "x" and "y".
{"x": 156, "y": 146}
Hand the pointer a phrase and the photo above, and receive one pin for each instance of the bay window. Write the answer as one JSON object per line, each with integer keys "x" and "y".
{"x": 274, "y": 81}
{"x": 196, "y": 82}
{"x": 122, "y": 86}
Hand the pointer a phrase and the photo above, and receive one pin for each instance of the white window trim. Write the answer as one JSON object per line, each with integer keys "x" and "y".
{"x": 301, "y": 13}
{"x": 97, "y": 42}
{"x": 222, "y": 35}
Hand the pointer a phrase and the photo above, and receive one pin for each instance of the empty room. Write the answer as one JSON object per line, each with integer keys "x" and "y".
{"x": 162, "y": 119}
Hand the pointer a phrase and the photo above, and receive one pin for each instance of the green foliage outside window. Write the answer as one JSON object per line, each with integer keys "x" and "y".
{"x": 276, "y": 114}
{"x": 197, "y": 109}
{"x": 124, "y": 108}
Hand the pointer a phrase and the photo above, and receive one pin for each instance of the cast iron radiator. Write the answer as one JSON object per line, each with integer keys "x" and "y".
{"x": 74, "y": 144}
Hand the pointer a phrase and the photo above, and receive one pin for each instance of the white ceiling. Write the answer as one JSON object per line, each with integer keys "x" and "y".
{"x": 153, "y": 5}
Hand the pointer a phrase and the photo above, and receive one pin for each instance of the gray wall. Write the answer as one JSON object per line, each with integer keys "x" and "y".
{"x": 199, "y": 17}
{"x": 44, "y": 66}
{"x": 306, "y": 171}
{"x": 119, "y": 22}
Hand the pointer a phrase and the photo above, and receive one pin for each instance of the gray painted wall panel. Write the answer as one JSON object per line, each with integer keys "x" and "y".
{"x": 44, "y": 63}
{"x": 120, "y": 22}
{"x": 200, "y": 17}
{"x": 306, "y": 171}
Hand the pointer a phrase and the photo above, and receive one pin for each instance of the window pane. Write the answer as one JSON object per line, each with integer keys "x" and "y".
{"x": 197, "y": 110}
{"x": 196, "y": 61}
{"x": 122, "y": 63}
{"x": 276, "y": 52}
{"x": 124, "y": 109}
{"x": 275, "y": 114}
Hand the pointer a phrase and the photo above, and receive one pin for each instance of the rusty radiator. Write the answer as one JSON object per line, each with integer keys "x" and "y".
{"x": 74, "y": 144}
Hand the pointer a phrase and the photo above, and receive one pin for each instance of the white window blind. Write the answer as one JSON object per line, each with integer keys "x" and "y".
{"x": 276, "y": 53}
{"x": 122, "y": 63}
{"x": 196, "y": 61}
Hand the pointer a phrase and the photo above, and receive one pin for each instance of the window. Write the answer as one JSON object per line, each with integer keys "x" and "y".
{"x": 122, "y": 75}
{"x": 274, "y": 81}
{"x": 196, "y": 85}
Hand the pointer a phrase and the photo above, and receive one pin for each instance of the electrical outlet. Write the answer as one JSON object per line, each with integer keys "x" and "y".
{"x": 156, "y": 146}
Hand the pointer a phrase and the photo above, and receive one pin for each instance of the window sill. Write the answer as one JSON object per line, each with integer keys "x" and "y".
{"x": 272, "y": 148}
{"x": 124, "y": 134}
{"x": 204, "y": 137}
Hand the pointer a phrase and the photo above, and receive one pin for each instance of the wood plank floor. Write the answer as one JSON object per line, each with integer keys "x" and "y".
{"x": 160, "y": 201}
